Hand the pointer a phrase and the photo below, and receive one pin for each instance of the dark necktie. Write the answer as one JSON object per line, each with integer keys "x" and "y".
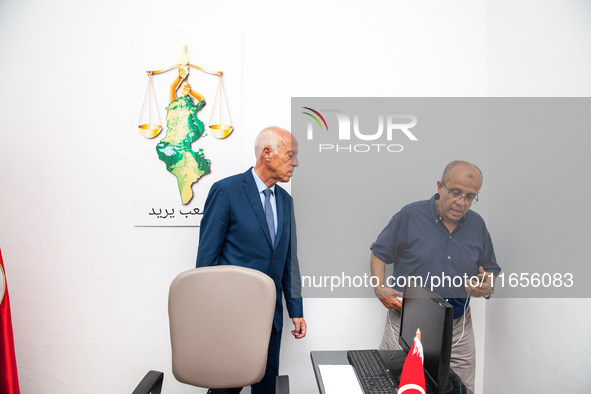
{"x": 269, "y": 214}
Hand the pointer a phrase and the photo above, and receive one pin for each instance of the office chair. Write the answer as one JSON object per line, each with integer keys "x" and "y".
{"x": 220, "y": 324}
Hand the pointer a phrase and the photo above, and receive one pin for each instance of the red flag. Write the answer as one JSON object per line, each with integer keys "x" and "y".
{"x": 412, "y": 379}
{"x": 8, "y": 374}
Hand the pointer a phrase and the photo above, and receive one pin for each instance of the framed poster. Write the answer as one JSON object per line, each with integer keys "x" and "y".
{"x": 187, "y": 95}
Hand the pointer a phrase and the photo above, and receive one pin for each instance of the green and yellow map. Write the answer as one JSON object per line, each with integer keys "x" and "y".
{"x": 183, "y": 128}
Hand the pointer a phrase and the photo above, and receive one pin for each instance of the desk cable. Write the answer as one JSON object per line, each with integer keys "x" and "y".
{"x": 463, "y": 322}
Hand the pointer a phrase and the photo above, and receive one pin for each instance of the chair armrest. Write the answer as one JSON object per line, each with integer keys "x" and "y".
{"x": 150, "y": 384}
{"x": 282, "y": 384}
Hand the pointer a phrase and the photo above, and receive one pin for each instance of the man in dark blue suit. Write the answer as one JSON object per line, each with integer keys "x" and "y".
{"x": 248, "y": 221}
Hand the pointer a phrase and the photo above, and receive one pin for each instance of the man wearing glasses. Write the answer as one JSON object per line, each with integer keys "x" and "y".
{"x": 439, "y": 240}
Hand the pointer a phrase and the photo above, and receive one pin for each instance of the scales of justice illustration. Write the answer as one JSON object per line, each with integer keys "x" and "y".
{"x": 183, "y": 127}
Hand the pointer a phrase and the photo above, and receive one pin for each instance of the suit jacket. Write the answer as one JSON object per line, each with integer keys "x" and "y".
{"x": 234, "y": 231}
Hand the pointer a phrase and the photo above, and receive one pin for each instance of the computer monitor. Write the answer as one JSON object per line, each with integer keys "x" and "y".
{"x": 430, "y": 313}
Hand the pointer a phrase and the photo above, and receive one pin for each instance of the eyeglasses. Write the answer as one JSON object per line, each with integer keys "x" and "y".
{"x": 469, "y": 200}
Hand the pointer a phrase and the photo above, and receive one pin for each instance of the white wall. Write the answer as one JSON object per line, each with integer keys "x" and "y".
{"x": 540, "y": 49}
{"x": 88, "y": 290}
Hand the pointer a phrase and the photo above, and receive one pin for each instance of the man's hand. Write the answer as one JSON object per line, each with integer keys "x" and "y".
{"x": 388, "y": 297}
{"x": 300, "y": 327}
{"x": 385, "y": 294}
{"x": 482, "y": 288}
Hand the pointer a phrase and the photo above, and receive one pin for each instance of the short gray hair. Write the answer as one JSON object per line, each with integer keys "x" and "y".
{"x": 447, "y": 170}
{"x": 271, "y": 137}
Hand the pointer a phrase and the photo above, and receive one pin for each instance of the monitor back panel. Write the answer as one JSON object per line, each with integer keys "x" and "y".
{"x": 430, "y": 313}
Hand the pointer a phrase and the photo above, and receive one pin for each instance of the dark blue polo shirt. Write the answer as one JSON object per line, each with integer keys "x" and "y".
{"x": 418, "y": 244}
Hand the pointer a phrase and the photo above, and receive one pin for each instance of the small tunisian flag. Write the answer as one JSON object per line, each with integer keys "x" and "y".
{"x": 412, "y": 379}
{"x": 8, "y": 375}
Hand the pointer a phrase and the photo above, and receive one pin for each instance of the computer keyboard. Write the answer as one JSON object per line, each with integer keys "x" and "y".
{"x": 371, "y": 372}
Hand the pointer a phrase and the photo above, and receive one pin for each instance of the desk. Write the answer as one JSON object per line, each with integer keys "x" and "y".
{"x": 393, "y": 358}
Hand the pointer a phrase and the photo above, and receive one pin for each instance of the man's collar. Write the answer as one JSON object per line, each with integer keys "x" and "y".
{"x": 260, "y": 185}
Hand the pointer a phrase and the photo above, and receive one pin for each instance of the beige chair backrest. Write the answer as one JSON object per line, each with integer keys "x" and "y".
{"x": 220, "y": 324}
